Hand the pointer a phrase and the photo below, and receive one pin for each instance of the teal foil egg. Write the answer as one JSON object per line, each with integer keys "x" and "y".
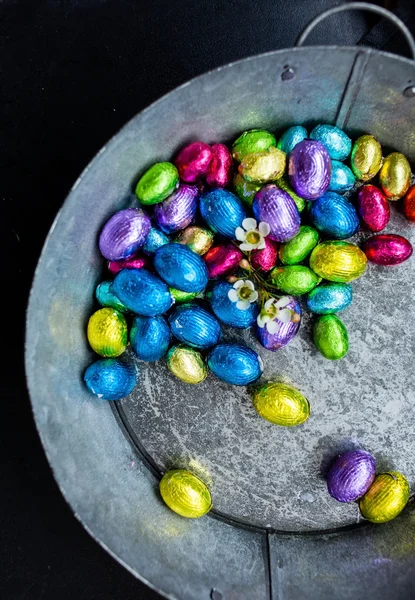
{"x": 194, "y": 326}
{"x": 181, "y": 268}
{"x": 155, "y": 239}
{"x": 291, "y": 137}
{"x": 142, "y": 292}
{"x": 106, "y": 297}
{"x": 334, "y": 216}
{"x": 222, "y": 211}
{"x": 227, "y": 311}
{"x": 150, "y": 337}
{"x": 342, "y": 178}
{"x": 338, "y": 144}
{"x": 110, "y": 378}
{"x": 235, "y": 364}
{"x": 330, "y": 298}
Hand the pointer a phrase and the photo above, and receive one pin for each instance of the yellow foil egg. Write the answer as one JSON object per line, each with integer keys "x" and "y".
{"x": 197, "y": 238}
{"x": 185, "y": 494}
{"x": 281, "y": 404}
{"x": 338, "y": 261}
{"x": 395, "y": 176}
{"x": 386, "y": 497}
{"x": 366, "y": 158}
{"x": 262, "y": 167}
{"x": 186, "y": 364}
{"x": 107, "y": 332}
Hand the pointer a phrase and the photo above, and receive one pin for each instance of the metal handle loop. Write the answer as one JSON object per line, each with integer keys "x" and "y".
{"x": 359, "y": 6}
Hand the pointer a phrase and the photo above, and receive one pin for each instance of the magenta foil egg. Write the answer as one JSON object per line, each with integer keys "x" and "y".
{"x": 309, "y": 169}
{"x": 193, "y": 161}
{"x": 178, "y": 210}
{"x": 373, "y": 207}
{"x": 220, "y": 170}
{"x": 387, "y": 249}
{"x": 222, "y": 260}
{"x": 351, "y": 475}
{"x": 264, "y": 260}
{"x": 285, "y": 333}
{"x": 274, "y": 206}
{"x": 124, "y": 233}
{"x": 135, "y": 262}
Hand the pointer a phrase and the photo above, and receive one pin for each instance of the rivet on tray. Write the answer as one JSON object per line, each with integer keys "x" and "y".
{"x": 216, "y": 594}
{"x": 288, "y": 73}
{"x": 409, "y": 92}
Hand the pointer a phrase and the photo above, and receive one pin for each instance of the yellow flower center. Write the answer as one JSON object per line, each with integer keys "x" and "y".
{"x": 244, "y": 292}
{"x": 253, "y": 237}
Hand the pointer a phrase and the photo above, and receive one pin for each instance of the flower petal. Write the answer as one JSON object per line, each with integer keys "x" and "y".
{"x": 253, "y": 297}
{"x": 249, "y": 224}
{"x": 240, "y": 234}
{"x": 260, "y": 321}
{"x": 242, "y": 305}
{"x": 233, "y": 295}
{"x": 269, "y": 303}
{"x": 238, "y": 284}
{"x": 261, "y": 244}
{"x": 246, "y": 247}
{"x": 248, "y": 283}
{"x": 272, "y": 327}
{"x": 284, "y": 315}
{"x": 283, "y": 302}
{"x": 264, "y": 228}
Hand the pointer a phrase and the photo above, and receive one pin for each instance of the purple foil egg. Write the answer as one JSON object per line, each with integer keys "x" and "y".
{"x": 124, "y": 233}
{"x": 309, "y": 169}
{"x": 220, "y": 170}
{"x": 351, "y": 475}
{"x": 264, "y": 260}
{"x": 222, "y": 260}
{"x": 373, "y": 207}
{"x": 387, "y": 249}
{"x": 274, "y": 206}
{"x": 286, "y": 331}
{"x": 178, "y": 210}
{"x": 193, "y": 161}
{"x": 135, "y": 262}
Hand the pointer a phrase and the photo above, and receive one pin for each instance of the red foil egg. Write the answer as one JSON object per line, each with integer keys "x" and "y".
{"x": 408, "y": 207}
{"x": 222, "y": 260}
{"x": 220, "y": 170}
{"x": 373, "y": 207}
{"x": 135, "y": 262}
{"x": 264, "y": 260}
{"x": 387, "y": 249}
{"x": 193, "y": 161}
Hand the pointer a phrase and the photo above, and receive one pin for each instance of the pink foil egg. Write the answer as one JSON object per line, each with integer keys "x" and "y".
{"x": 124, "y": 233}
{"x": 220, "y": 170}
{"x": 222, "y": 260}
{"x": 135, "y": 262}
{"x": 193, "y": 161}
{"x": 264, "y": 260}
{"x": 373, "y": 207}
{"x": 387, "y": 249}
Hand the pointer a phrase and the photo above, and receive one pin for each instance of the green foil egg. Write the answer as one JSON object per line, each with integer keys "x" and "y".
{"x": 254, "y": 140}
{"x": 330, "y": 337}
{"x": 245, "y": 190}
{"x": 281, "y": 404}
{"x": 297, "y": 249}
{"x": 366, "y": 158}
{"x": 386, "y": 498}
{"x": 180, "y": 296}
{"x": 186, "y": 364}
{"x": 157, "y": 183}
{"x": 294, "y": 279}
{"x": 284, "y": 185}
{"x": 262, "y": 167}
{"x": 185, "y": 494}
{"x": 338, "y": 261}
{"x": 107, "y": 332}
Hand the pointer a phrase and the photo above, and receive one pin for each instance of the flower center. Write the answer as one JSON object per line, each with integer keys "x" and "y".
{"x": 244, "y": 292}
{"x": 253, "y": 237}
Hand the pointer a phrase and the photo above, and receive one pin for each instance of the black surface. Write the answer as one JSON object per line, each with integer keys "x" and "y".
{"x": 72, "y": 73}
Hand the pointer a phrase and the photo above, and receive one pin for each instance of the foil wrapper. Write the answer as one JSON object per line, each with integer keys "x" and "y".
{"x": 185, "y": 494}
{"x": 334, "y": 216}
{"x": 281, "y": 404}
{"x": 276, "y": 207}
{"x": 178, "y": 210}
{"x": 387, "y": 249}
{"x": 330, "y": 337}
{"x": 338, "y": 261}
{"x": 235, "y": 364}
{"x": 222, "y": 260}
{"x": 351, "y": 475}
{"x": 181, "y": 268}
{"x": 150, "y": 337}
{"x": 107, "y": 332}
{"x": 124, "y": 233}
{"x": 110, "y": 378}
{"x": 309, "y": 169}
{"x": 186, "y": 364}
{"x": 193, "y": 325}
{"x": 373, "y": 207}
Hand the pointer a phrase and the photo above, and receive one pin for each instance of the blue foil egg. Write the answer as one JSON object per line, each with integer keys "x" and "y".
{"x": 181, "y": 268}
{"x": 222, "y": 211}
{"x": 235, "y": 364}
{"x": 194, "y": 326}
{"x": 291, "y": 137}
{"x": 106, "y": 297}
{"x": 150, "y": 337}
{"x": 155, "y": 239}
{"x": 342, "y": 178}
{"x": 142, "y": 292}
{"x": 330, "y": 298}
{"x": 338, "y": 144}
{"x": 227, "y": 311}
{"x": 110, "y": 378}
{"x": 334, "y": 216}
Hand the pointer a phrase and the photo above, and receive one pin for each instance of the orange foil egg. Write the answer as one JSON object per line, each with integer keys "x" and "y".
{"x": 408, "y": 207}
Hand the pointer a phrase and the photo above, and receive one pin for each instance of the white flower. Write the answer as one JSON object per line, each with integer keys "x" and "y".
{"x": 276, "y": 310}
{"x": 252, "y": 235}
{"x": 243, "y": 293}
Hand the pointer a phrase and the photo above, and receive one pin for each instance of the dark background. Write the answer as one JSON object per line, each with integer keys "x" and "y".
{"x": 72, "y": 73}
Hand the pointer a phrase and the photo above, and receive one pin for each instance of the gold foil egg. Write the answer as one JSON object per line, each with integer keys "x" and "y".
{"x": 185, "y": 494}
{"x": 197, "y": 238}
{"x": 338, "y": 261}
{"x": 386, "y": 497}
{"x": 281, "y": 404}
{"x": 395, "y": 176}
{"x": 366, "y": 158}
{"x": 262, "y": 167}
{"x": 186, "y": 364}
{"x": 107, "y": 332}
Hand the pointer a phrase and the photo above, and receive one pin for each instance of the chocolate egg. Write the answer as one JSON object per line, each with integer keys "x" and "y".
{"x": 194, "y": 326}
{"x": 373, "y": 207}
{"x": 265, "y": 259}
{"x": 387, "y": 249}
{"x": 222, "y": 260}
{"x": 155, "y": 239}
{"x": 235, "y": 364}
{"x": 330, "y": 337}
{"x": 181, "y": 268}
{"x": 330, "y": 298}
{"x": 157, "y": 183}
{"x": 294, "y": 279}
{"x": 150, "y": 337}
{"x": 142, "y": 292}
{"x": 178, "y": 210}
{"x": 193, "y": 161}
{"x": 395, "y": 176}
{"x": 338, "y": 144}
{"x": 227, "y": 311}
{"x": 107, "y": 332}
{"x": 386, "y": 498}
{"x": 124, "y": 234}
{"x": 185, "y": 494}
{"x": 408, "y": 207}
{"x": 106, "y": 297}
{"x": 274, "y": 206}
{"x": 334, "y": 216}
{"x": 285, "y": 333}
{"x": 110, "y": 378}
{"x": 222, "y": 211}
{"x": 291, "y": 137}
{"x": 351, "y": 475}
{"x": 338, "y": 261}
{"x": 254, "y": 140}
{"x": 197, "y": 238}
{"x": 261, "y": 167}
{"x": 284, "y": 185}
{"x": 297, "y": 249}
{"x": 179, "y": 296}
{"x": 220, "y": 170}
{"x": 309, "y": 169}
{"x": 366, "y": 158}
{"x": 342, "y": 178}
{"x": 135, "y": 262}
{"x": 186, "y": 364}
{"x": 245, "y": 190}
{"x": 281, "y": 404}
